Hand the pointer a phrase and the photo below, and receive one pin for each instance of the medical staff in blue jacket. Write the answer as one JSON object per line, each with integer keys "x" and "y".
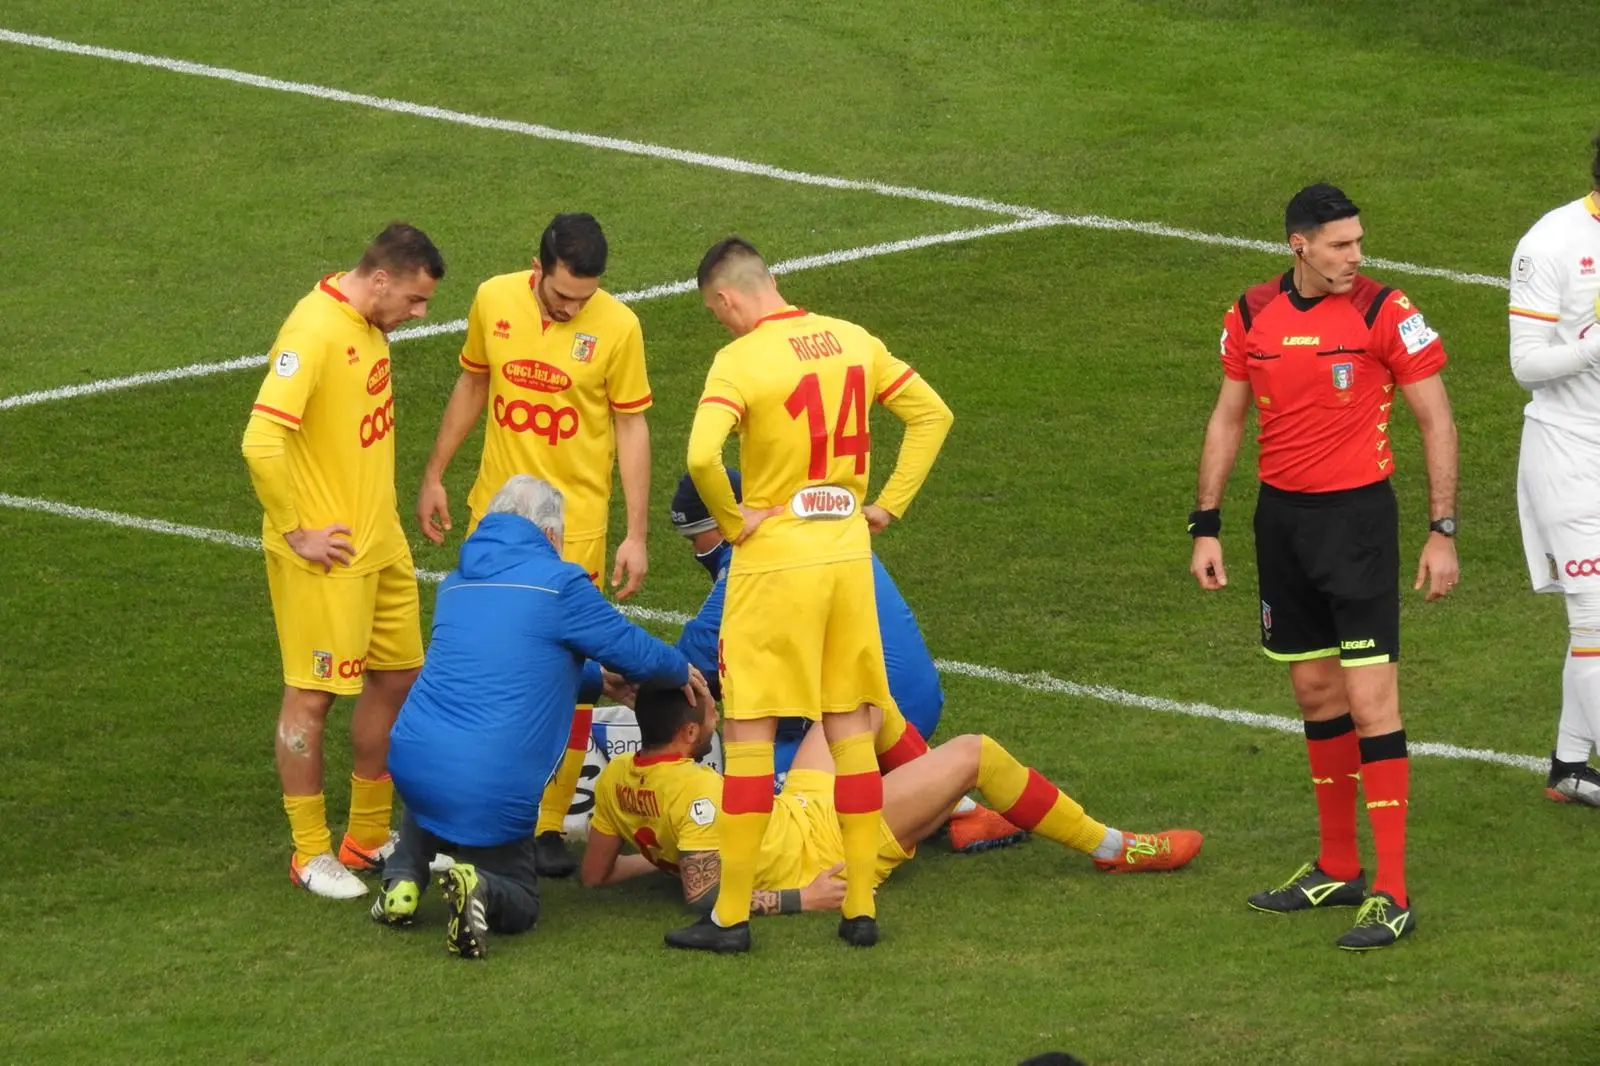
{"x": 487, "y": 719}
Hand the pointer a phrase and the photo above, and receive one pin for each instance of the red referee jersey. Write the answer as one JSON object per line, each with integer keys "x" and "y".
{"x": 1323, "y": 372}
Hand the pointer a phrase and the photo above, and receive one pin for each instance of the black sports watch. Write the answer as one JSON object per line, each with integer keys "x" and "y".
{"x": 1446, "y": 526}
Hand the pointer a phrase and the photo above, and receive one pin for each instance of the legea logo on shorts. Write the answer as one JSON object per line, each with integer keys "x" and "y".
{"x": 823, "y": 501}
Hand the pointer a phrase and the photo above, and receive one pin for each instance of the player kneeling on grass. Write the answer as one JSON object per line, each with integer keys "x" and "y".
{"x": 488, "y": 718}
{"x": 664, "y": 803}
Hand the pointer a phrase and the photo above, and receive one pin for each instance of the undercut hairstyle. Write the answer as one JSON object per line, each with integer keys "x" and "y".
{"x": 576, "y": 240}
{"x": 1314, "y": 207}
{"x": 538, "y": 501}
{"x": 402, "y": 249}
{"x": 734, "y": 260}
{"x": 661, "y": 711}
{"x": 1594, "y": 168}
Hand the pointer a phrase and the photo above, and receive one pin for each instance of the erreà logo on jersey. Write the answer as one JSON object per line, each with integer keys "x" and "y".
{"x": 378, "y": 379}
{"x": 823, "y": 501}
{"x": 532, "y": 374}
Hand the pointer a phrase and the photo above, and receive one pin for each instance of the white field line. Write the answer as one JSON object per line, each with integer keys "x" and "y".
{"x": 1034, "y": 682}
{"x": 459, "y": 325}
{"x": 526, "y": 129}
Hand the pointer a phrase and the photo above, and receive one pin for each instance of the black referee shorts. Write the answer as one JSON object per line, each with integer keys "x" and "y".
{"x": 1329, "y": 567}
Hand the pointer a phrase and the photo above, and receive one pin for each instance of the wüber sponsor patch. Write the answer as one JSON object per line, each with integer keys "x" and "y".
{"x": 823, "y": 501}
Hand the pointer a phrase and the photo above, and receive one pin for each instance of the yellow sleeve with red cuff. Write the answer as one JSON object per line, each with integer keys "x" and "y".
{"x": 264, "y": 442}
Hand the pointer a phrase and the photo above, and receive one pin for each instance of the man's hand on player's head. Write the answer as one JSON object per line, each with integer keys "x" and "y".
{"x": 696, "y": 690}
{"x": 878, "y": 518}
{"x": 753, "y": 517}
{"x": 327, "y": 546}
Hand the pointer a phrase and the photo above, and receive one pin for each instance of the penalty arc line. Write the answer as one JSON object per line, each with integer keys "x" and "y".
{"x": 1033, "y": 682}
{"x": 459, "y": 325}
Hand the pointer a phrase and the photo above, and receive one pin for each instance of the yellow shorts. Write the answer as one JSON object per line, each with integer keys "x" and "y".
{"x": 802, "y": 643}
{"x": 331, "y": 630}
{"x": 589, "y": 554}
{"x": 812, "y": 790}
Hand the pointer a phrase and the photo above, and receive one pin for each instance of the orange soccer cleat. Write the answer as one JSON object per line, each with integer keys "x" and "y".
{"x": 1166, "y": 850}
{"x": 981, "y": 829}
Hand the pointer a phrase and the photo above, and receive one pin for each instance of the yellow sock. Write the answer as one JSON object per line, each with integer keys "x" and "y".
{"x": 1028, "y": 800}
{"x": 557, "y": 797}
{"x": 890, "y": 730}
{"x": 858, "y": 798}
{"x": 371, "y": 802}
{"x": 308, "y": 823}
{"x": 742, "y": 822}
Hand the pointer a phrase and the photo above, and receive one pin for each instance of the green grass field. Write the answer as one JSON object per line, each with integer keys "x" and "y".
{"x": 155, "y": 219}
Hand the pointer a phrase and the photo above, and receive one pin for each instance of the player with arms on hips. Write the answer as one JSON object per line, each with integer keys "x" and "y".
{"x": 558, "y": 364}
{"x": 1319, "y": 353}
{"x": 665, "y": 804}
{"x": 799, "y": 633}
{"x": 1555, "y": 355}
{"x": 320, "y": 447}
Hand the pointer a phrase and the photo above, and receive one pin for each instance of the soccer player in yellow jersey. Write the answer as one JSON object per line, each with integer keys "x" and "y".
{"x": 558, "y": 364}
{"x": 664, "y": 804}
{"x": 799, "y": 634}
{"x": 320, "y": 447}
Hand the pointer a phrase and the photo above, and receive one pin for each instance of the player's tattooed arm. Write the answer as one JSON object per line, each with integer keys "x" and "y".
{"x": 701, "y": 873}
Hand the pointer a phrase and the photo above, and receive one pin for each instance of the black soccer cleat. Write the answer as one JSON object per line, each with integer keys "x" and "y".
{"x": 551, "y": 857}
{"x": 1573, "y": 782}
{"x": 1380, "y": 922}
{"x": 707, "y": 935}
{"x": 1309, "y": 887}
{"x": 859, "y": 932}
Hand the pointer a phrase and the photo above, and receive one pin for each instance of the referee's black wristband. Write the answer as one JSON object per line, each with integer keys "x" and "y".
{"x": 1206, "y": 523}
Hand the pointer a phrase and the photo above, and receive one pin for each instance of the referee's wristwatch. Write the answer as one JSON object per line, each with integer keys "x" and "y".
{"x": 1446, "y": 526}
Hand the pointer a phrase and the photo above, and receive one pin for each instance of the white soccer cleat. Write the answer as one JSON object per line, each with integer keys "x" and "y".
{"x": 326, "y": 876}
{"x": 441, "y": 862}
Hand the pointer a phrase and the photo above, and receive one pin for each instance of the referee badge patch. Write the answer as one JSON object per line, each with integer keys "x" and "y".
{"x": 1344, "y": 375}
{"x": 1416, "y": 334}
{"x": 583, "y": 346}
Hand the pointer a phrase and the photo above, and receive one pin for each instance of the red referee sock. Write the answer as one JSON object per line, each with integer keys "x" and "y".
{"x": 1335, "y": 756}
{"x": 1386, "y": 780}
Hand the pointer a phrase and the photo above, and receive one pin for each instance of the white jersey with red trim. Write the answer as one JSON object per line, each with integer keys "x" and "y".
{"x": 1555, "y": 279}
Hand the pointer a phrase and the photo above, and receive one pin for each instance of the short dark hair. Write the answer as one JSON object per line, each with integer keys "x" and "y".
{"x": 1315, "y": 206}
{"x": 402, "y": 249}
{"x": 1595, "y": 166}
{"x": 734, "y": 247}
{"x": 577, "y": 240}
{"x": 662, "y": 710}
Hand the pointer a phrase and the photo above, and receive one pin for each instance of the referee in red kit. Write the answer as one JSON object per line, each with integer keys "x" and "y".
{"x": 1319, "y": 352}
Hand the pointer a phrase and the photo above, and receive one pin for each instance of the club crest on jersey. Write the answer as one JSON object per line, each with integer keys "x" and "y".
{"x": 828, "y": 502}
{"x": 1344, "y": 375}
{"x": 322, "y": 665}
{"x": 583, "y": 346}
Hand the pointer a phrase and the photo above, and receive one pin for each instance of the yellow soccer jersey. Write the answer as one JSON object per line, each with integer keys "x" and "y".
{"x": 328, "y": 380}
{"x": 552, "y": 389}
{"x": 800, "y": 388}
{"x": 666, "y": 805}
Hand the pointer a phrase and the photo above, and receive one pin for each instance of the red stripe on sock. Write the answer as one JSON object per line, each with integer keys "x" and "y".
{"x": 1036, "y": 801}
{"x": 858, "y": 793}
{"x": 908, "y": 747}
{"x": 582, "y": 720}
{"x": 747, "y": 795}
